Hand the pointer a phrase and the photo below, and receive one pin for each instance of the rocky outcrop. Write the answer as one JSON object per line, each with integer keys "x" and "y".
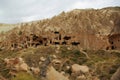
{"x": 79, "y": 68}
{"x": 116, "y": 75}
{"x": 35, "y": 70}
{"x": 52, "y": 74}
{"x": 16, "y": 64}
{"x": 114, "y": 41}
{"x": 87, "y": 29}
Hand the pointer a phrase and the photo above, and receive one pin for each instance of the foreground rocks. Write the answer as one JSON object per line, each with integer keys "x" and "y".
{"x": 116, "y": 75}
{"x": 67, "y": 65}
{"x": 79, "y": 68}
{"x": 47, "y": 71}
{"x": 52, "y": 74}
{"x": 16, "y": 64}
{"x": 35, "y": 70}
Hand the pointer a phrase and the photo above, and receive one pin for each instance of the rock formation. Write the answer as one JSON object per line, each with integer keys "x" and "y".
{"x": 116, "y": 75}
{"x": 87, "y": 29}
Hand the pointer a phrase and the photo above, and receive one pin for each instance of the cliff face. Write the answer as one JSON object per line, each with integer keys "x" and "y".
{"x": 87, "y": 29}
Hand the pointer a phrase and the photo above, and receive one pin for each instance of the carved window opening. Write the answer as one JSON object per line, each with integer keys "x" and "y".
{"x": 56, "y": 32}
{"x": 60, "y": 37}
{"x": 67, "y": 38}
{"x": 112, "y": 47}
{"x": 56, "y": 43}
{"x": 64, "y": 43}
{"x": 75, "y": 43}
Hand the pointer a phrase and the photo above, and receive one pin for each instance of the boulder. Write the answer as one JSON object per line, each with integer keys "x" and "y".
{"x": 21, "y": 60}
{"x": 40, "y": 63}
{"x": 16, "y": 67}
{"x": 58, "y": 47}
{"x": 57, "y": 51}
{"x": 42, "y": 59}
{"x": 6, "y": 60}
{"x": 68, "y": 48}
{"x": 23, "y": 67}
{"x": 13, "y": 61}
{"x": 16, "y": 64}
{"x": 116, "y": 75}
{"x": 54, "y": 56}
{"x": 82, "y": 77}
{"x": 52, "y": 74}
{"x": 56, "y": 61}
{"x": 67, "y": 67}
{"x": 62, "y": 72}
{"x": 35, "y": 70}
{"x": 77, "y": 68}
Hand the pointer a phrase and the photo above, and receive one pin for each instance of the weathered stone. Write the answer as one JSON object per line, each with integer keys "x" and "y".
{"x": 21, "y": 60}
{"x": 57, "y": 51}
{"x": 54, "y": 56}
{"x": 6, "y": 60}
{"x": 67, "y": 67}
{"x": 16, "y": 67}
{"x": 16, "y": 64}
{"x": 78, "y": 68}
{"x": 63, "y": 73}
{"x": 116, "y": 75}
{"x": 68, "y": 48}
{"x": 40, "y": 63}
{"x": 35, "y": 70}
{"x": 58, "y": 47}
{"x": 82, "y": 77}
{"x": 52, "y": 74}
{"x": 56, "y": 61}
{"x": 42, "y": 59}
{"x": 23, "y": 67}
{"x": 13, "y": 61}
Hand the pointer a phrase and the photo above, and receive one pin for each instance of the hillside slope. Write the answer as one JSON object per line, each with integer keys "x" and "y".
{"x": 7, "y": 27}
{"x": 88, "y": 28}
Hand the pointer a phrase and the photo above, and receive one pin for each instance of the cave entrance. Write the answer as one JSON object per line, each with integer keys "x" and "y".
{"x": 67, "y": 38}
{"x": 57, "y": 43}
{"x": 64, "y": 43}
{"x": 112, "y": 47}
{"x": 75, "y": 43}
{"x": 112, "y": 42}
{"x": 56, "y": 32}
{"x": 107, "y": 48}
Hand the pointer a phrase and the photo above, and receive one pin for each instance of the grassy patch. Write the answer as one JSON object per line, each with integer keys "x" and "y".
{"x": 23, "y": 76}
{"x": 102, "y": 63}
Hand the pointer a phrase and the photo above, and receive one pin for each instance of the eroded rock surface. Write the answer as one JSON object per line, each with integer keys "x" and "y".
{"x": 52, "y": 74}
{"x": 88, "y": 29}
{"x": 116, "y": 75}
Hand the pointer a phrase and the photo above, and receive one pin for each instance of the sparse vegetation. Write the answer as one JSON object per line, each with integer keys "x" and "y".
{"x": 23, "y": 76}
{"x": 102, "y": 63}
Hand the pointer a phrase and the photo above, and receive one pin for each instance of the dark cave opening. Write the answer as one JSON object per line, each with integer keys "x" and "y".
{"x": 112, "y": 47}
{"x": 64, "y": 43}
{"x": 75, "y": 43}
{"x": 67, "y": 38}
